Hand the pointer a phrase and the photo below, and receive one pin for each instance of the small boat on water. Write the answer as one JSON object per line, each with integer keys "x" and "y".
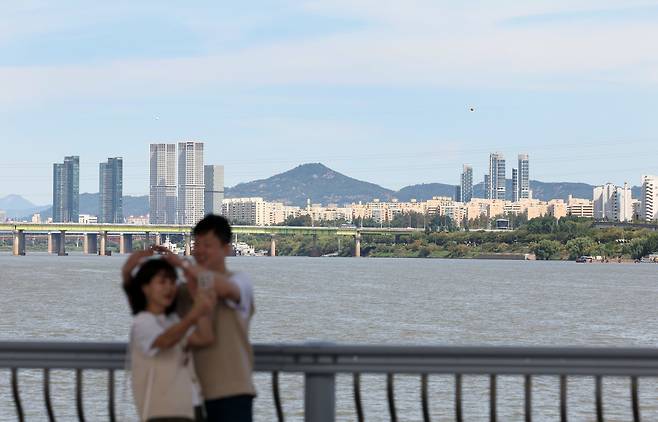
{"x": 584, "y": 259}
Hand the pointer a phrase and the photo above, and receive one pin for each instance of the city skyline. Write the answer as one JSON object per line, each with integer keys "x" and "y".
{"x": 382, "y": 84}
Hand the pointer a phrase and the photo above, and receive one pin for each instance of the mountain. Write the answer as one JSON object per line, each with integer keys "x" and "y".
{"x": 17, "y": 206}
{"x": 425, "y": 191}
{"x": 315, "y": 181}
{"x": 319, "y": 183}
{"x": 132, "y": 205}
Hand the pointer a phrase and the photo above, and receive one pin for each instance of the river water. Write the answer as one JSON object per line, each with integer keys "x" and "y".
{"x": 370, "y": 301}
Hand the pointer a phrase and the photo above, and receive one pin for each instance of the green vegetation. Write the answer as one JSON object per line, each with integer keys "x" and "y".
{"x": 546, "y": 237}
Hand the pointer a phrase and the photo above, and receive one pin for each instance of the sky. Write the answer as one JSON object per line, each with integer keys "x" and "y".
{"x": 375, "y": 89}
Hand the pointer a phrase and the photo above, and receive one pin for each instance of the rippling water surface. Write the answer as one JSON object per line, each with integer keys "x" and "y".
{"x": 373, "y": 301}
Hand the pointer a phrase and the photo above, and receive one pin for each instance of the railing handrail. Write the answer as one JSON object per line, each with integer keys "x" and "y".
{"x": 337, "y": 358}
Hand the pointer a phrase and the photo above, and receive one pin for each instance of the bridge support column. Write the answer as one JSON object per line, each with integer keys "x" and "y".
{"x": 158, "y": 239}
{"x": 51, "y": 243}
{"x": 147, "y": 240}
{"x": 102, "y": 244}
{"x": 90, "y": 244}
{"x": 61, "y": 243}
{"x": 125, "y": 243}
{"x": 319, "y": 397}
{"x": 357, "y": 245}
{"x": 19, "y": 243}
{"x": 188, "y": 244}
{"x": 273, "y": 245}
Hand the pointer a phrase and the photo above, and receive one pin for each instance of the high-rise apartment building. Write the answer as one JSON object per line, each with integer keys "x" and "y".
{"x": 613, "y": 203}
{"x": 487, "y": 187}
{"x": 515, "y": 185}
{"x": 190, "y": 183}
{"x": 466, "y": 184}
{"x": 497, "y": 179}
{"x": 458, "y": 193}
{"x": 250, "y": 211}
{"x": 66, "y": 190}
{"x": 110, "y": 207}
{"x": 162, "y": 193}
{"x": 649, "y": 208}
{"x": 213, "y": 177}
{"x": 523, "y": 188}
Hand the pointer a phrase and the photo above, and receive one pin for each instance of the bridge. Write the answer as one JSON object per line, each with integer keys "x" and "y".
{"x": 95, "y": 236}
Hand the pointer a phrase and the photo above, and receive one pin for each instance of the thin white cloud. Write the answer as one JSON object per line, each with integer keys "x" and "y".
{"x": 407, "y": 44}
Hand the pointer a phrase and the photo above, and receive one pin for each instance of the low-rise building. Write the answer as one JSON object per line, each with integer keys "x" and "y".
{"x": 87, "y": 219}
{"x": 579, "y": 207}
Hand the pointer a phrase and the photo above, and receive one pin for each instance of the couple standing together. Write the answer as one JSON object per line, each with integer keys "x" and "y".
{"x": 191, "y": 359}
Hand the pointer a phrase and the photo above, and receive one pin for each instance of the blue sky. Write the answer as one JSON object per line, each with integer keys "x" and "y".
{"x": 378, "y": 90}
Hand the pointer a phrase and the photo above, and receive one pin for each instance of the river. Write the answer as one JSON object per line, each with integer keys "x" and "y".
{"x": 370, "y": 301}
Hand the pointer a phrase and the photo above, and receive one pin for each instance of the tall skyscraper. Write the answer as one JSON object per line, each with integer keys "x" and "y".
{"x": 66, "y": 190}
{"x": 162, "y": 193}
{"x": 649, "y": 208}
{"x": 515, "y": 185}
{"x": 213, "y": 178}
{"x": 497, "y": 180}
{"x": 466, "y": 183}
{"x": 110, "y": 208}
{"x": 524, "y": 177}
{"x": 190, "y": 182}
{"x": 487, "y": 187}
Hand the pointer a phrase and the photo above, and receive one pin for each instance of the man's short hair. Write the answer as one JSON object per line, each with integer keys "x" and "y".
{"x": 217, "y": 225}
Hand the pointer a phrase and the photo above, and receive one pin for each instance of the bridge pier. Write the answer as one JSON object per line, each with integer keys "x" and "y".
{"x": 147, "y": 240}
{"x": 19, "y": 243}
{"x": 158, "y": 239}
{"x": 102, "y": 248}
{"x": 125, "y": 243}
{"x": 272, "y": 245}
{"x": 51, "y": 243}
{"x": 188, "y": 244}
{"x": 357, "y": 245}
{"x": 61, "y": 243}
{"x": 90, "y": 244}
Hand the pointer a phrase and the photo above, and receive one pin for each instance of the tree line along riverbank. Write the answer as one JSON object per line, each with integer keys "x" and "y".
{"x": 547, "y": 238}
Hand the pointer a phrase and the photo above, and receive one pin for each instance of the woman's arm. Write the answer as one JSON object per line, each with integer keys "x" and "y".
{"x": 204, "y": 334}
{"x": 203, "y": 305}
{"x": 175, "y": 333}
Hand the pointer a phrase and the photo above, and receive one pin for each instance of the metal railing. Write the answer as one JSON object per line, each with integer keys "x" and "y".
{"x": 320, "y": 363}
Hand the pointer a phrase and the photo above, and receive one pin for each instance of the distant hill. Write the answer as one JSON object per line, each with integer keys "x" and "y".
{"x": 132, "y": 205}
{"x": 425, "y": 191}
{"x": 17, "y": 206}
{"x": 315, "y": 181}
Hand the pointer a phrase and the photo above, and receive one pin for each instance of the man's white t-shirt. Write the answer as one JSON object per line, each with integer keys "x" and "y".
{"x": 243, "y": 282}
{"x": 147, "y": 327}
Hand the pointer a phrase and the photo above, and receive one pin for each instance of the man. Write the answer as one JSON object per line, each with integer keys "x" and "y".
{"x": 225, "y": 367}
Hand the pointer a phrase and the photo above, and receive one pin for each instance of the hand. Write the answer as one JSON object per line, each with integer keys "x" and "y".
{"x": 204, "y": 303}
{"x": 190, "y": 270}
{"x": 133, "y": 260}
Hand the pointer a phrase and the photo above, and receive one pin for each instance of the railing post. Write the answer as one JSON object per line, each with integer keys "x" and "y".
{"x": 320, "y": 397}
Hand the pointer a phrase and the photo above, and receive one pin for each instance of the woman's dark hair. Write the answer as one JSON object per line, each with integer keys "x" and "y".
{"x": 216, "y": 224}
{"x": 148, "y": 270}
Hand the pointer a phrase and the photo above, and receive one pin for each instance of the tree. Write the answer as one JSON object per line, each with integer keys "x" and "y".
{"x": 302, "y": 220}
{"x": 580, "y": 246}
{"x": 542, "y": 225}
{"x": 546, "y": 249}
